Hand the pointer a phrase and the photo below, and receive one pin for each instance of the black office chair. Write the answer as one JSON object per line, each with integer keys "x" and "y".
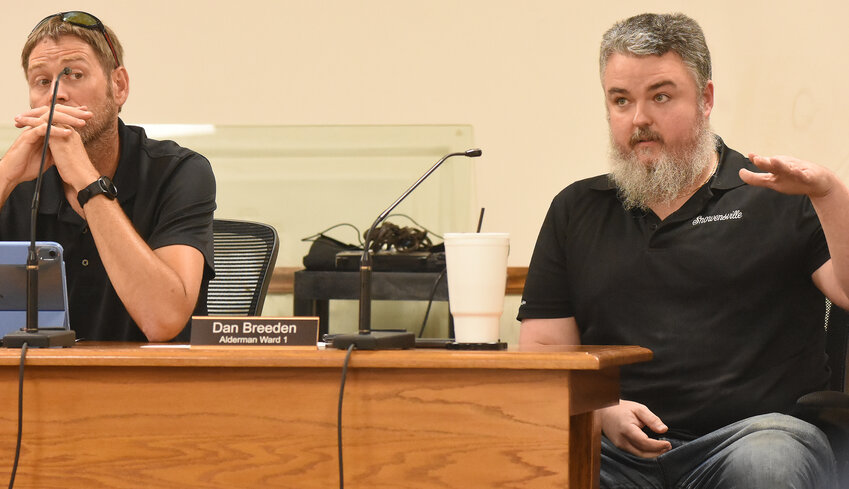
{"x": 829, "y": 410}
{"x": 245, "y": 253}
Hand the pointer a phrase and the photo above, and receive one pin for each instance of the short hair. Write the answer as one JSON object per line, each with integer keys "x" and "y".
{"x": 658, "y": 34}
{"x": 54, "y": 28}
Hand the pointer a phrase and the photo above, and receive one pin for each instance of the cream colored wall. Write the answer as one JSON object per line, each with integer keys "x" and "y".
{"x": 523, "y": 74}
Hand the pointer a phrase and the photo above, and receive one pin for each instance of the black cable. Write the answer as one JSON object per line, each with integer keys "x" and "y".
{"x": 20, "y": 414}
{"x": 480, "y": 220}
{"x": 321, "y": 233}
{"x": 339, "y": 415}
{"x": 430, "y": 301}
{"x": 414, "y": 222}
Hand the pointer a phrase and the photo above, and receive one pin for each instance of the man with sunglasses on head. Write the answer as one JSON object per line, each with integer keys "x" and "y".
{"x": 134, "y": 215}
{"x": 716, "y": 262}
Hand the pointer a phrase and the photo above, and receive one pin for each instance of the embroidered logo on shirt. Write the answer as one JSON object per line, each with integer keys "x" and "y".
{"x": 733, "y": 215}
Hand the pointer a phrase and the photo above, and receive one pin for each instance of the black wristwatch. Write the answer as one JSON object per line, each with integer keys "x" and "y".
{"x": 102, "y": 185}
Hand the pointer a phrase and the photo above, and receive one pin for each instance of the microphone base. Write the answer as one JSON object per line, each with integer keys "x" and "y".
{"x": 376, "y": 340}
{"x": 43, "y": 338}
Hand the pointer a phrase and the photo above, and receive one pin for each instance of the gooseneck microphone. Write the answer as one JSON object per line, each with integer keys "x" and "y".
{"x": 31, "y": 334}
{"x": 367, "y": 339}
{"x": 32, "y": 253}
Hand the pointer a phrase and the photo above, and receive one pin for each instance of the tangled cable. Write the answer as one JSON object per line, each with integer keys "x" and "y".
{"x": 406, "y": 239}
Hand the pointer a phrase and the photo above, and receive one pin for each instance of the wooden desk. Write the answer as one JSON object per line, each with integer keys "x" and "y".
{"x": 116, "y": 416}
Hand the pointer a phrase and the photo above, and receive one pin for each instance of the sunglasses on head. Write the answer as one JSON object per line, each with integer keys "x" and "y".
{"x": 86, "y": 21}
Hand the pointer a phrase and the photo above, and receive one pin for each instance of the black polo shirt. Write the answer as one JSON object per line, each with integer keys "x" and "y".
{"x": 720, "y": 291}
{"x": 167, "y": 192}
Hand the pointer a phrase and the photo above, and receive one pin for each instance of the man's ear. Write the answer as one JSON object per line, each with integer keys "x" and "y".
{"x": 120, "y": 85}
{"x": 707, "y": 98}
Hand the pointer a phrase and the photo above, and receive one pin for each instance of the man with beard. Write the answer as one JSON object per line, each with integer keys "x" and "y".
{"x": 138, "y": 251}
{"x": 716, "y": 262}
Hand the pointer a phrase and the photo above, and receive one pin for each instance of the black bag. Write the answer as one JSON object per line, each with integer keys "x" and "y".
{"x": 322, "y": 253}
{"x": 417, "y": 253}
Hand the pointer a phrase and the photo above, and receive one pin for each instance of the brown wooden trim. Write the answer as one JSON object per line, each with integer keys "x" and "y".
{"x": 552, "y": 357}
{"x": 516, "y": 280}
{"x": 283, "y": 280}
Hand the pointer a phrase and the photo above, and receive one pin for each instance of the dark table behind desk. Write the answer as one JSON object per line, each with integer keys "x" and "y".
{"x": 119, "y": 415}
{"x": 313, "y": 290}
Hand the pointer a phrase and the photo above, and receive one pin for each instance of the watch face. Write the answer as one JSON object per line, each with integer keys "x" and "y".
{"x": 108, "y": 187}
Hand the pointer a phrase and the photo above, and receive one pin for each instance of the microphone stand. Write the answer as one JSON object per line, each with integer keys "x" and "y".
{"x": 31, "y": 335}
{"x": 368, "y": 339}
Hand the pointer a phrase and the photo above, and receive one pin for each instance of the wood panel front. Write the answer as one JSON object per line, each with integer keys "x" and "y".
{"x": 124, "y": 416}
{"x": 261, "y": 427}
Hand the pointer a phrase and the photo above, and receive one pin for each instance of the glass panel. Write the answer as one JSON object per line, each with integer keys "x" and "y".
{"x": 304, "y": 179}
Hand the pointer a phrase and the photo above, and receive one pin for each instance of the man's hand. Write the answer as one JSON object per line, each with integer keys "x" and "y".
{"x": 67, "y": 150}
{"x": 830, "y": 198}
{"x": 790, "y": 175}
{"x": 64, "y": 115}
{"x": 20, "y": 163}
{"x": 71, "y": 159}
{"x": 623, "y": 425}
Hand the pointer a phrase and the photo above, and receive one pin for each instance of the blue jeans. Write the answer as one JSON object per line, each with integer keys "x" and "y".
{"x": 771, "y": 451}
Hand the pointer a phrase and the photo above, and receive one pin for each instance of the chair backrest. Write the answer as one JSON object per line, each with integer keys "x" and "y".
{"x": 245, "y": 253}
{"x": 837, "y": 343}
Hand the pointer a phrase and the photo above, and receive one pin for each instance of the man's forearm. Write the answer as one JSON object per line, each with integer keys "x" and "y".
{"x": 7, "y": 185}
{"x": 833, "y": 212}
{"x": 5, "y": 192}
{"x": 158, "y": 297}
{"x": 556, "y": 331}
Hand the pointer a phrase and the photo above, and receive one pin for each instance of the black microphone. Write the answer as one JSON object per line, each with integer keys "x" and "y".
{"x": 31, "y": 334}
{"x": 32, "y": 254}
{"x": 381, "y": 340}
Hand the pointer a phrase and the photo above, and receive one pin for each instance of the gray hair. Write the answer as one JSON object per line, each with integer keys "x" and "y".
{"x": 657, "y": 34}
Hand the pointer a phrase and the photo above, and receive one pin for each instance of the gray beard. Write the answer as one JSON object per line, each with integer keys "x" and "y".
{"x": 661, "y": 182}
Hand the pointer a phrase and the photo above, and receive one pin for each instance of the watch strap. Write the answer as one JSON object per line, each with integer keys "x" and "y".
{"x": 102, "y": 185}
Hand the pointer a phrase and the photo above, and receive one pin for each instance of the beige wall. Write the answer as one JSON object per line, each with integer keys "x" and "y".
{"x": 523, "y": 74}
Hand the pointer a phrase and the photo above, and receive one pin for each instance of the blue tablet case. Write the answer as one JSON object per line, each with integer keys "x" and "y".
{"x": 52, "y": 286}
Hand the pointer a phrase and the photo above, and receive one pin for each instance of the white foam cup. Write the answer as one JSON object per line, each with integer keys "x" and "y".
{"x": 477, "y": 277}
